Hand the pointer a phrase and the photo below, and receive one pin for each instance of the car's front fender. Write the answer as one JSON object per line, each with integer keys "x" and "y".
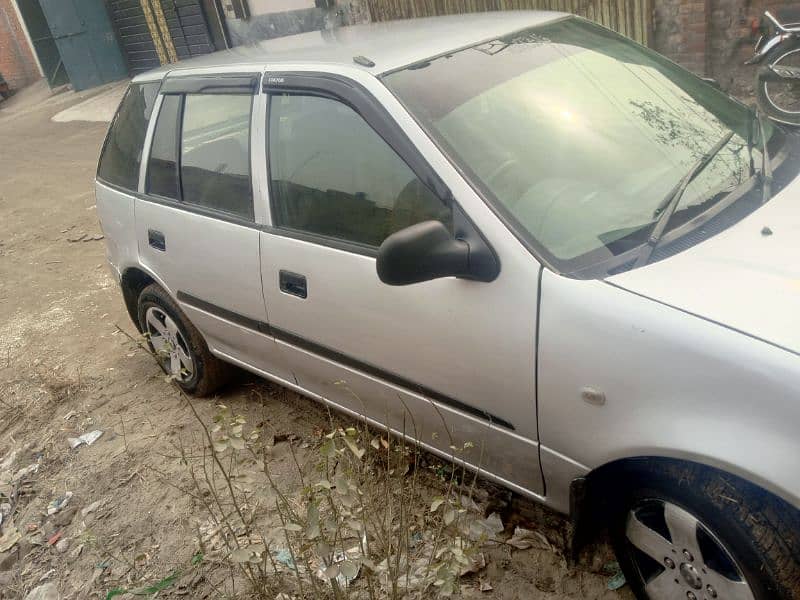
{"x": 674, "y": 385}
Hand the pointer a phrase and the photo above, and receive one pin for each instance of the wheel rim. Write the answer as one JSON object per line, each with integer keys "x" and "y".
{"x": 169, "y": 345}
{"x": 785, "y": 96}
{"x": 679, "y": 558}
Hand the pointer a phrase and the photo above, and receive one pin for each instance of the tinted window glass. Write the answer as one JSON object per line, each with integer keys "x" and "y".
{"x": 215, "y": 153}
{"x": 162, "y": 176}
{"x": 122, "y": 153}
{"x": 333, "y": 175}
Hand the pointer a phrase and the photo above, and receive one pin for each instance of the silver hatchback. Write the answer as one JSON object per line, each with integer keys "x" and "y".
{"x": 525, "y": 230}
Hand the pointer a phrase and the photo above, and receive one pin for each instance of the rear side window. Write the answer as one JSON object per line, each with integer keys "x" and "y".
{"x": 162, "y": 169}
{"x": 207, "y": 138}
{"x": 122, "y": 151}
{"x": 215, "y": 153}
{"x": 333, "y": 175}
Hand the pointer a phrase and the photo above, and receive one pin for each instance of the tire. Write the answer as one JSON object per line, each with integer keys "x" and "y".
{"x": 199, "y": 372}
{"x": 744, "y": 536}
{"x": 789, "y": 55}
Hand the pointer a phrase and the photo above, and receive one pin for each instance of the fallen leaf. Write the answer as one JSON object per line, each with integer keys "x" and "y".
{"x": 9, "y": 538}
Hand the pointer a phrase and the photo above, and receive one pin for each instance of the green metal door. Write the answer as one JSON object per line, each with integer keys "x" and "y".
{"x": 86, "y": 42}
{"x": 43, "y": 43}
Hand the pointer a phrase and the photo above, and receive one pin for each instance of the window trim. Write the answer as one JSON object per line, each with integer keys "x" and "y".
{"x": 199, "y": 210}
{"x": 178, "y": 147}
{"x": 351, "y": 93}
{"x": 224, "y": 84}
{"x": 179, "y": 128}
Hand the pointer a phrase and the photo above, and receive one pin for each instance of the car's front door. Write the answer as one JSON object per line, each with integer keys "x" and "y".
{"x": 448, "y": 361}
{"x": 196, "y": 222}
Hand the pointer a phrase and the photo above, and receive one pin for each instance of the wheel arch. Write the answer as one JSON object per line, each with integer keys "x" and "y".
{"x": 591, "y": 495}
{"x": 132, "y": 281}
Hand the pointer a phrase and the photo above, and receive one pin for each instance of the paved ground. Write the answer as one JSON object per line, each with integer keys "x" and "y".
{"x": 66, "y": 369}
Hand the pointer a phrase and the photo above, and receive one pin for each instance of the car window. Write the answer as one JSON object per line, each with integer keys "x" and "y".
{"x": 162, "y": 177}
{"x": 333, "y": 175}
{"x": 215, "y": 153}
{"x": 122, "y": 152}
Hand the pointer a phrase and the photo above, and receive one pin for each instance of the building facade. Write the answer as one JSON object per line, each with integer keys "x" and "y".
{"x": 713, "y": 38}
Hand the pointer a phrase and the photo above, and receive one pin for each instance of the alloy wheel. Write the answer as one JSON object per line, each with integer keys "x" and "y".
{"x": 169, "y": 344}
{"x": 679, "y": 558}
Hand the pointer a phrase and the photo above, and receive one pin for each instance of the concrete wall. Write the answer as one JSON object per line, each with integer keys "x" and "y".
{"x": 265, "y": 25}
{"x": 262, "y": 7}
{"x": 17, "y": 62}
{"x": 271, "y": 25}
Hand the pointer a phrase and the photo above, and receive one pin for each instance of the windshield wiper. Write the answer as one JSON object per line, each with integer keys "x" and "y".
{"x": 766, "y": 164}
{"x": 670, "y": 203}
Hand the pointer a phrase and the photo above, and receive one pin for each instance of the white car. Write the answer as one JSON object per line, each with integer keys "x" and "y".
{"x": 579, "y": 256}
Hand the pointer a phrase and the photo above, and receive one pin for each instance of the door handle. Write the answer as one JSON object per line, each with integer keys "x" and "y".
{"x": 293, "y": 284}
{"x": 156, "y": 240}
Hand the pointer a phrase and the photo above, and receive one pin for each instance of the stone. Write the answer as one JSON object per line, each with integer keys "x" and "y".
{"x": 8, "y": 560}
{"x": 48, "y": 591}
{"x": 65, "y": 517}
{"x": 6, "y": 577}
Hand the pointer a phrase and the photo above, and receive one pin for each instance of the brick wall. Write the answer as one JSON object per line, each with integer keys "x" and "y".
{"x": 731, "y": 41}
{"x": 17, "y": 63}
{"x": 680, "y": 32}
{"x": 713, "y": 38}
{"x": 694, "y": 17}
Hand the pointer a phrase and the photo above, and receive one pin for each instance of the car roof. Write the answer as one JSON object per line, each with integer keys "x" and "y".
{"x": 390, "y": 45}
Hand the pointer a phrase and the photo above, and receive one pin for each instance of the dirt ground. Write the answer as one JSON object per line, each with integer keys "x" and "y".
{"x": 67, "y": 369}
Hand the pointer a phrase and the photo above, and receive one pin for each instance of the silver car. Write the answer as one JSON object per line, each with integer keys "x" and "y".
{"x": 523, "y": 229}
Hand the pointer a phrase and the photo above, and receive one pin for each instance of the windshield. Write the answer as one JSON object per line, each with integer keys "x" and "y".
{"x": 579, "y": 134}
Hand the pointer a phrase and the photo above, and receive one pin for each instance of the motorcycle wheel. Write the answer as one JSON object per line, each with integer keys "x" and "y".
{"x": 780, "y": 100}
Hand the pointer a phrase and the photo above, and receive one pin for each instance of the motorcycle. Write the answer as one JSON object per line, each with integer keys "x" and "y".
{"x": 778, "y": 77}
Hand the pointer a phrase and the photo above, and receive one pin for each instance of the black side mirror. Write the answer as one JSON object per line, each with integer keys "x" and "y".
{"x": 427, "y": 251}
{"x": 422, "y": 252}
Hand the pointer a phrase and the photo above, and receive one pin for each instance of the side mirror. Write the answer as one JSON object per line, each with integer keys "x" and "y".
{"x": 422, "y": 252}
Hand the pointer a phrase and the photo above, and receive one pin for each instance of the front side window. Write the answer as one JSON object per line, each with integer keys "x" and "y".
{"x": 579, "y": 135}
{"x": 122, "y": 152}
{"x": 333, "y": 175}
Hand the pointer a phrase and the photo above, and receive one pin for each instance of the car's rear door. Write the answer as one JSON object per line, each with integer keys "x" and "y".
{"x": 450, "y": 361}
{"x": 196, "y": 222}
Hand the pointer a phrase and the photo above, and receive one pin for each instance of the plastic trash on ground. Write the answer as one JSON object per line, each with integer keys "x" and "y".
{"x": 87, "y": 438}
{"x": 59, "y": 503}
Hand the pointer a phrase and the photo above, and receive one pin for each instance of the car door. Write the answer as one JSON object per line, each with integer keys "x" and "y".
{"x": 196, "y": 222}
{"x": 450, "y": 361}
